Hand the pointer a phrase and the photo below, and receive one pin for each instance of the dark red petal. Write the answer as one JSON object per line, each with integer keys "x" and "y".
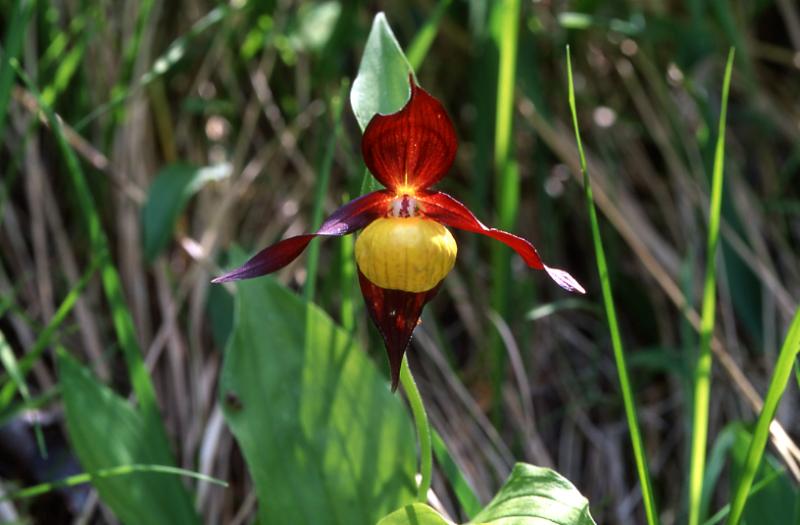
{"x": 396, "y": 314}
{"x": 351, "y": 217}
{"x": 445, "y": 209}
{"x": 412, "y": 148}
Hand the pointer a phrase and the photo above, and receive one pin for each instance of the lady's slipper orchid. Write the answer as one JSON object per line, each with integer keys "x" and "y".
{"x": 405, "y": 249}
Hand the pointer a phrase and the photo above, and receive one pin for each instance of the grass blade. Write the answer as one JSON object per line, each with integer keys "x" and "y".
{"x": 45, "y": 337}
{"x": 120, "y": 314}
{"x": 611, "y": 316}
{"x": 18, "y": 21}
{"x": 9, "y": 362}
{"x": 505, "y": 32}
{"x": 702, "y": 375}
{"x": 777, "y": 386}
{"x": 724, "y": 511}
{"x": 465, "y": 494}
{"x": 88, "y": 477}
{"x": 336, "y": 105}
{"x": 424, "y": 38}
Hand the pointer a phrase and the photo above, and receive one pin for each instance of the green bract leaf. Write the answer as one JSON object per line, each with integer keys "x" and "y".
{"x": 324, "y": 439}
{"x": 170, "y": 191}
{"x": 536, "y": 495}
{"x": 414, "y": 514}
{"x": 105, "y": 432}
{"x": 382, "y": 82}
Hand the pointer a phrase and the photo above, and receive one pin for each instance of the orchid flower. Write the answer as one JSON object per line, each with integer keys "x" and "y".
{"x": 405, "y": 250}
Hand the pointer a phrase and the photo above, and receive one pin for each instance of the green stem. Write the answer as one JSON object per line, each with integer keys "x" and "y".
{"x": 423, "y": 429}
{"x": 702, "y": 375}
{"x": 613, "y": 327}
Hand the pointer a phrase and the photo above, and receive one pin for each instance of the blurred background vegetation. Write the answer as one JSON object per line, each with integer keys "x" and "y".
{"x": 202, "y": 126}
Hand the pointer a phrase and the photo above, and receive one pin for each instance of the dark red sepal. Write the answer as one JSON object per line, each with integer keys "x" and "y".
{"x": 349, "y": 218}
{"x": 413, "y": 148}
{"x": 396, "y": 314}
{"x": 443, "y": 208}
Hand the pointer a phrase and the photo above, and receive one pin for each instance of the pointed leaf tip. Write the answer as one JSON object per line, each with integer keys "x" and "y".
{"x": 564, "y": 280}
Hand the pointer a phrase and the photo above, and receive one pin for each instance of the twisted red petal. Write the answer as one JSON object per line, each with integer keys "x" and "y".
{"x": 396, "y": 314}
{"x": 351, "y": 217}
{"x": 413, "y": 148}
{"x": 443, "y": 208}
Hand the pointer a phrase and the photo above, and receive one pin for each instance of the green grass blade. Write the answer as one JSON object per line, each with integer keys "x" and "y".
{"x": 777, "y": 386}
{"x": 702, "y": 375}
{"x": 174, "y": 53}
{"x": 324, "y": 174}
{"x": 724, "y": 511}
{"x": 505, "y": 31}
{"x": 611, "y": 316}
{"x": 424, "y": 38}
{"x": 465, "y": 494}
{"x": 17, "y": 22}
{"x": 10, "y": 363}
{"x": 45, "y": 336}
{"x": 112, "y": 286}
{"x": 122, "y": 470}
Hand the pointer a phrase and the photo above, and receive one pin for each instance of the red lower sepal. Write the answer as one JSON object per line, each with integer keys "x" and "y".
{"x": 396, "y": 314}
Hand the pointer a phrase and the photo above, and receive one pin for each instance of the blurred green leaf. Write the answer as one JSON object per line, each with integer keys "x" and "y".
{"x": 168, "y": 195}
{"x": 381, "y": 85}
{"x": 414, "y": 514}
{"x": 314, "y": 25}
{"x": 465, "y": 494}
{"x": 533, "y": 495}
{"x": 777, "y": 502}
{"x": 106, "y": 432}
{"x": 324, "y": 439}
{"x": 17, "y": 21}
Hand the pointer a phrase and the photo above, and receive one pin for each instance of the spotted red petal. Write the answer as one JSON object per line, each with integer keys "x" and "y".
{"x": 443, "y": 208}
{"x": 349, "y": 218}
{"x": 396, "y": 314}
{"x": 413, "y": 148}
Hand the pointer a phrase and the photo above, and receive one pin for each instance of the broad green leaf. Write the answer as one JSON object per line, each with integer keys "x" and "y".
{"x": 533, "y": 496}
{"x": 168, "y": 194}
{"x": 106, "y": 432}
{"x": 530, "y": 496}
{"x": 414, "y": 514}
{"x": 381, "y": 85}
{"x": 324, "y": 439}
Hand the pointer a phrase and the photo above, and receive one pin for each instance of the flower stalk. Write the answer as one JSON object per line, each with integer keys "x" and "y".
{"x": 423, "y": 430}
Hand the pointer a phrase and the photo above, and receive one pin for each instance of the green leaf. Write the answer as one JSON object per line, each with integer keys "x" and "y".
{"x": 777, "y": 502}
{"x": 535, "y": 495}
{"x": 381, "y": 85}
{"x": 314, "y": 25}
{"x": 106, "y": 432}
{"x": 18, "y": 19}
{"x": 414, "y": 514}
{"x": 170, "y": 191}
{"x": 530, "y": 496}
{"x": 324, "y": 439}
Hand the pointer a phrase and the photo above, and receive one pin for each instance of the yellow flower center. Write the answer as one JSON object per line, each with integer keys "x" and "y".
{"x": 405, "y": 253}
